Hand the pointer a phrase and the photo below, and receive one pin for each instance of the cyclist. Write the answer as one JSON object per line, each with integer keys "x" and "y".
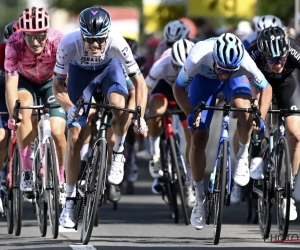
{"x": 159, "y": 82}
{"x": 173, "y": 31}
{"x": 4, "y": 133}
{"x": 262, "y": 23}
{"x": 212, "y": 65}
{"x": 93, "y": 57}
{"x": 29, "y": 63}
{"x": 277, "y": 56}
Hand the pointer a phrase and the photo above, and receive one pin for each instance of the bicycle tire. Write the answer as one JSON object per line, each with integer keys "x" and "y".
{"x": 8, "y": 208}
{"x": 220, "y": 187}
{"x": 17, "y": 193}
{"x": 96, "y": 184}
{"x": 174, "y": 150}
{"x": 282, "y": 149}
{"x": 247, "y": 188}
{"x": 169, "y": 188}
{"x": 52, "y": 185}
{"x": 40, "y": 204}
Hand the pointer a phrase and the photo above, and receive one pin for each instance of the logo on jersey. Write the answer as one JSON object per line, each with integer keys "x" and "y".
{"x": 295, "y": 53}
{"x": 125, "y": 51}
{"x": 61, "y": 54}
{"x": 294, "y": 107}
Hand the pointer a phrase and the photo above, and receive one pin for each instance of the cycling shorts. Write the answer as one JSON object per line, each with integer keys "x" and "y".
{"x": 164, "y": 90}
{"x": 110, "y": 78}
{"x": 207, "y": 90}
{"x": 44, "y": 91}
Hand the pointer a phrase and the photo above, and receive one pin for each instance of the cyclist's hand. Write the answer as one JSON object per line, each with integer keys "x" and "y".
{"x": 259, "y": 129}
{"x": 143, "y": 126}
{"x": 192, "y": 122}
{"x": 72, "y": 113}
{"x": 11, "y": 123}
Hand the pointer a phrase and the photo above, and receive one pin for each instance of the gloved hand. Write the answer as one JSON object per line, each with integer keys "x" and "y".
{"x": 143, "y": 126}
{"x": 72, "y": 113}
{"x": 192, "y": 123}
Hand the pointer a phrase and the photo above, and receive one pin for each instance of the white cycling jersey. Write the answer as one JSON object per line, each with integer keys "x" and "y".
{"x": 200, "y": 61}
{"x": 162, "y": 69}
{"x": 71, "y": 50}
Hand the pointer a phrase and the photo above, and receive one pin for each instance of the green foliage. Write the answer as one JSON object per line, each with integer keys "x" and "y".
{"x": 76, "y": 6}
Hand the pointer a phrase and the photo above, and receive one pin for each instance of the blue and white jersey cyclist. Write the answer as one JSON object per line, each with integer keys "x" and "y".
{"x": 95, "y": 56}
{"x": 213, "y": 65}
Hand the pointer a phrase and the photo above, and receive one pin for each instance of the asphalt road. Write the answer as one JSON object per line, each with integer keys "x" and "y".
{"x": 142, "y": 221}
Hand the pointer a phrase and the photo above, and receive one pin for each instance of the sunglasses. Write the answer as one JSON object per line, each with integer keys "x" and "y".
{"x": 39, "y": 37}
{"x": 277, "y": 60}
{"x": 92, "y": 39}
{"x": 222, "y": 70}
{"x": 177, "y": 68}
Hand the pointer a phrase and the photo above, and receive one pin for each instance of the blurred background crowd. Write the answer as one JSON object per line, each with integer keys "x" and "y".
{"x": 144, "y": 20}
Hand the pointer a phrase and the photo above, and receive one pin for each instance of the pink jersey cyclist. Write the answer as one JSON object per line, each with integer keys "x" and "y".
{"x": 35, "y": 68}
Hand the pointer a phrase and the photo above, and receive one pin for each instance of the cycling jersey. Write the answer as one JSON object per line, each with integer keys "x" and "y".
{"x": 293, "y": 61}
{"x": 162, "y": 69}
{"x": 71, "y": 50}
{"x": 163, "y": 46}
{"x": 200, "y": 61}
{"x": 35, "y": 68}
{"x": 249, "y": 39}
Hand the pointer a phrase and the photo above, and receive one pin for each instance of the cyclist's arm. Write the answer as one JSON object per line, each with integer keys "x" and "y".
{"x": 60, "y": 93}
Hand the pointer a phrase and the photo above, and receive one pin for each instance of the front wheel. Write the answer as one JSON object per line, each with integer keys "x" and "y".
{"x": 219, "y": 190}
{"x": 283, "y": 187}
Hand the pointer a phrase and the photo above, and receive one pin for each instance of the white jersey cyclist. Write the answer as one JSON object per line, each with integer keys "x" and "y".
{"x": 200, "y": 61}
{"x": 71, "y": 50}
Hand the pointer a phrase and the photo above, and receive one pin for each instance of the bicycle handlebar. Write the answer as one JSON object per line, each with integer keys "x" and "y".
{"x": 283, "y": 111}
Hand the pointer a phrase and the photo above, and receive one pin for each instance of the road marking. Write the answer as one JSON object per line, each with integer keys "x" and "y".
{"x": 81, "y": 247}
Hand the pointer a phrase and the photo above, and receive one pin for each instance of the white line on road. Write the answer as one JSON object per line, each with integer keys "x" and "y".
{"x": 81, "y": 247}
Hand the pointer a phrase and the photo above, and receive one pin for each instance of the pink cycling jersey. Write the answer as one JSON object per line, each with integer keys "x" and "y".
{"x": 35, "y": 68}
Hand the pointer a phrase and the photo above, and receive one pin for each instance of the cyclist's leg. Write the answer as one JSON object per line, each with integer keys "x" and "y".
{"x": 238, "y": 91}
{"x": 25, "y": 133}
{"x": 158, "y": 105}
{"x": 78, "y": 79}
{"x": 201, "y": 89}
{"x": 287, "y": 95}
{"x": 114, "y": 87}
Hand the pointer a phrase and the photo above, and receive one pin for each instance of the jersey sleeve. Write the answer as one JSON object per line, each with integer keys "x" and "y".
{"x": 294, "y": 53}
{"x": 11, "y": 55}
{"x": 124, "y": 53}
{"x": 63, "y": 57}
{"x": 190, "y": 69}
{"x": 252, "y": 72}
{"x": 156, "y": 72}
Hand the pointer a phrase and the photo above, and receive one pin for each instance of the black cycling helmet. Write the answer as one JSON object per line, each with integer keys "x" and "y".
{"x": 272, "y": 42}
{"x": 132, "y": 44}
{"x": 94, "y": 21}
{"x": 10, "y": 29}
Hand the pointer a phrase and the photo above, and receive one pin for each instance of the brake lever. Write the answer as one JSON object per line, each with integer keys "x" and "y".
{"x": 79, "y": 106}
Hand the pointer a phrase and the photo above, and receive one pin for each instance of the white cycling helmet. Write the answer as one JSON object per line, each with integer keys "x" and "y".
{"x": 176, "y": 30}
{"x": 268, "y": 21}
{"x": 180, "y": 51}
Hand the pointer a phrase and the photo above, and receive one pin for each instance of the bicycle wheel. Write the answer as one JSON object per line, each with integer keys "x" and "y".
{"x": 17, "y": 193}
{"x": 169, "y": 188}
{"x": 283, "y": 186}
{"x": 95, "y": 178}
{"x": 40, "y": 203}
{"x": 8, "y": 208}
{"x": 52, "y": 185}
{"x": 175, "y": 154}
{"x": 219, "y": 190}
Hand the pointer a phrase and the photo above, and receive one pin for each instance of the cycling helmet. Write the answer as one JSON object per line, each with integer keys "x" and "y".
{"x": 180, "y": 51}
{"x": 268, "y": 21}
{"x": 272, "y": 42}
{"x": 228, "y": 51}
{"x": 10, "y": 29}
{"x": 132, "y": 44}
{"x": 176, "y": 30}
{"x": 94, "y": 21}
{"x": 34, "y": 20}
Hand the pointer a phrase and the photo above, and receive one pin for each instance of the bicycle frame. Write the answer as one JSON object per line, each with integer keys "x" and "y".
{"x": 11, "y": 152}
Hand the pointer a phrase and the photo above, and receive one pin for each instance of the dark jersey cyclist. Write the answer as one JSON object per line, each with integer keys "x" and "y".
{"x": 277, "y": 56}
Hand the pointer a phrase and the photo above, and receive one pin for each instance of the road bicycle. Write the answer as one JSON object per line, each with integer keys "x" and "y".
{"x": 173, "y": 164}
{"x": 91, "y": 186}
{"x": 276, "y": 186}
{"x": 219, "y": 186}
{"x": 45, "y": 195}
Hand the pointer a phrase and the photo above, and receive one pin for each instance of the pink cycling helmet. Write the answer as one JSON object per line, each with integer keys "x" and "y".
{"x": 34, "y": 20}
